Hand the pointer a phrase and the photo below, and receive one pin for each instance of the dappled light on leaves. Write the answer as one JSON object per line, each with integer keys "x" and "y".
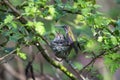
{"x": 35, "y": 31}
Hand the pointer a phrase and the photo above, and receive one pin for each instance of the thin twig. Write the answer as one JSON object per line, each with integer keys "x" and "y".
{"x": 93, "y": 60}
{"x": 2, "y": 58}
{"x": 2, "y": 10}
{"x": 7, "y": 55}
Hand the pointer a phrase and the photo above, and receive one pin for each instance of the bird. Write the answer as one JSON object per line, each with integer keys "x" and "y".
{"x": 73, "y": 43}
{"x": 63, "y": 44}
{"x": 69, "y": 34}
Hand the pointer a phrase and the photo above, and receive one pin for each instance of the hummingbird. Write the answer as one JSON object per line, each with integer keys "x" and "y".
{"x": 63, "y": 44}
{"x": 73, "y": 43}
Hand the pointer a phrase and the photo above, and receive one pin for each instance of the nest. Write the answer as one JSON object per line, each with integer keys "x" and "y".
{"x": 60, "y": 46}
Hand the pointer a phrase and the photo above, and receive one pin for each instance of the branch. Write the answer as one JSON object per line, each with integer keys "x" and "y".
{"x": 93, "y": 60}
{"x": 8, "y": 55}
{"x": 55, "y": 64}
{"x": 5, "y": 57}
{"x": 102, "y": 53}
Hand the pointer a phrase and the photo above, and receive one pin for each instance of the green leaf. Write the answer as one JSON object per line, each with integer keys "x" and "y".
{"x": 52, "y": 11}
{"x": 100, "y": 39}
{"x": 14, "y": 25}
{"x": 39, "y": 27}
{"x": 31, "y": 11}
{"x": 16, "y": 2}
{"x": 30, "y": 23}
{"x": 8, "y": 19}
{"x": 21, "y": 54}
{"x": 92, "y": 46}
{"x": 112, "y": 61}
{"x": 15, "y": 37}
{"x": 114, "y": 40}
{"x": 78, "y": 65}
{"x": 85, "y": 11}
{"x": 79, "y": 18}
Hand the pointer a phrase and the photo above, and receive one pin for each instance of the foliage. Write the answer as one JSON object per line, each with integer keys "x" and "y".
{"x": 112, "y": 61}
{"x": 21, "y": 54}
{"x": 95, "y": 32}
